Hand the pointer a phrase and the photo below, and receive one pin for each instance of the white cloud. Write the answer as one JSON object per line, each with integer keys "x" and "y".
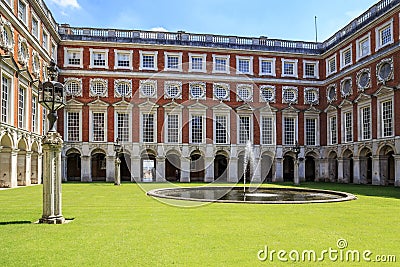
{"x": 67, "y": 3}
{"x": 158, "y": 29}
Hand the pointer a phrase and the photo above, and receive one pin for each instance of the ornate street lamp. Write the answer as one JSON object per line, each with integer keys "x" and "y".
{"x": 51, "y": 96}
{"x": 118, "y": 151}
{"x": 296, "y": 150}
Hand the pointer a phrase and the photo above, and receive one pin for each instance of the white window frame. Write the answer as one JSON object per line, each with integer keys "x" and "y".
{"x": 328, "y": 69}
{"x": 380, "y": 102}
{"x": 343, "y": 125}
{"x": 24, "y": 20}
{"x": 126, "y": 52}
{"x": 295, "y": 117}
{"x": 361, "y": 40}
{"x": 250, "y": 59}
{"x": 329, "y": 130}
{"x": 25, "y": 107}
{"x": 273, "y": 66}
{"x": 68, "y": 50}
{"x": 45, "y": 33}
{"x": 154, "y": 54}
{"x": 273, "y": 119}
{"x": 295, "y": 67}
{"x": 316, "y": 69}
{"x": 342, "y": 56}
{"x": 120, "y": 110}
{"x": 204, "y": 126}
{"x": 360, "y": 109}
{"x": 34, "y": 120}
{"x": 98, "y": 51}
{"x": 226, "y": 114}
{"x": 154, "y": 113}
{"x": 173, "y": 54}
{"x": 317, "y": 131}
{"x": 74, "y": 110}
{"x": 251, "y": 133}
{"x": 378, "y": 39}
{"x": 10, "y": 96}
{"x": 179, "y": 114}
{"x": 35, "y": 17}
{"x": 97, "y": 110}
{"x": 203, "y": 63}
{"x": 227, "y": 66}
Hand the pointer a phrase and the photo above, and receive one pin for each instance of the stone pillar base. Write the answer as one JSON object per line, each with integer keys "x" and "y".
{"x": 52, "y": 220}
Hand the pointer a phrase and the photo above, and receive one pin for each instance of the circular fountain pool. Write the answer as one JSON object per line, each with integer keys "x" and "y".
{"x": 260, "y": 195}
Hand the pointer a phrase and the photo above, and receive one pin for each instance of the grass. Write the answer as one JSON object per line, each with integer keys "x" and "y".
{"x": 121, "y": 226}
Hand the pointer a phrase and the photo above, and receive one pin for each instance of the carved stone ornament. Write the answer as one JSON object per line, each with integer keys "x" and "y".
{"x": 98, "y": 87}
{"x": 123, "y": 88}
{"x": 289, "y": 94}
{"x": 197, "y": 90}
{"x": 73, "y": 86}
{"x": 148, "y": 89}
{"x": 363, "y": 79}
{"x": 346, "y": 87}
{"x": 173, "y": 90}
{"x": 6, "y": 35}
{"x": 35, "y": 64}
{"x": 52, "y": 138}
{"x": 244, "y": 92}
{"x": 311, "y": 96}
{"x": 331, "y": 93}
{"x": 384, "y": 70}
{"x": 221, "y": 91}
{"x": 23, "y": 53}
{"x": 267, "y": 93}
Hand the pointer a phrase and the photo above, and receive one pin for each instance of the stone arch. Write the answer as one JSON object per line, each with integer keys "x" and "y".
{"x": 310, "y": 166}
{"x": 173, "y": 165}
{"x": 221, "y": 163}
{"x": 6, "y": 147}
{"x": 148, "y": 165}
{"x": 387, "y": 164}
{"x": 197, "y": 166}
{"x": 21, "y": 162}
{"x": 125, "y": 166}
{"x": 288, "y": 166}
{"x": 73, "y": 156}
{"x": 98, "y": 165}
{"x": 267, "y": 167}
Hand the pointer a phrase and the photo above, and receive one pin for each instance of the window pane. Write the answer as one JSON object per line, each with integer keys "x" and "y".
{"x": 148, "y": 127}
{"x": 98, "y": 127}
{"x": 387, "y": 118}
{"x": 266, "y": 131}
{"x": 73, "y": 126}
{"x": 220, "y": 129}
{"x": 148, "y": 61}
{"x": 123, "y": 127}
{"x": 289, "y": 127}
{"x": 5, "y": 85}
{"x": 348, "y": 118}
{"x": 197, "y": 129}
{"x": 244, "y": 129}
{"x": 310, "y": 132}
{"x": 21, "y": 107}
{"x": 173, "y": 128}
{"x": 333, "y": 130}
{"x": 366, "y": 123}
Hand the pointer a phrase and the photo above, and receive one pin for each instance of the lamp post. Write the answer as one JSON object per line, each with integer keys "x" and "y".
{"x": 296, "y": 150}
{"x": 51, "y": 96}
{"x": 118, "y": 150}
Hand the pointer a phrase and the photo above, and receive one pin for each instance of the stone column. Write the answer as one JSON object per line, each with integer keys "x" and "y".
{"x": 278, "y": 170}
{"x": 397, "y": 170}
{"x": 185, "y": 169}
{"x": 256, "y": 172}
{"x": 233, "y": 170}
{"x": 356, "y": 170}
{"x": 28, "y": 167}
{"x": 64, "y": 168}
{"x": 160, "y": 169}
{"x": 52, "y": 214}
{"x": 376, "y": 179}
{"x": 135, "y": 169}
{"x": 13, "y": 169}
{"x": 209, "y": 166}
{"x": 117, "y": 176}
{"x": 363, "y": 170}
{"x": 296, "y": 172}
{"x": 302, "y": 169}
{"x": 323, "y": 170}
{"x": 340, "y": 170}
{"x": 110, "y": 168}
{"x": 86, "y": 169}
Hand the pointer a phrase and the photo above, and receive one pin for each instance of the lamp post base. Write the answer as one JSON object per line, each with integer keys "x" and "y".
{"x": 52, "y": 220}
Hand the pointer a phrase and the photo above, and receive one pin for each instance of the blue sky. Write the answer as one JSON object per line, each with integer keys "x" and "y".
{"x": 287, "y": 19}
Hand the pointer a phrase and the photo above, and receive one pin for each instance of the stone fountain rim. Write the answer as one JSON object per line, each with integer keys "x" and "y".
{"x": 344, "y": 195}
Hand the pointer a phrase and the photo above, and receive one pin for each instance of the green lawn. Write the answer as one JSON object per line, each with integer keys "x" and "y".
{"x": 121, "y": 226}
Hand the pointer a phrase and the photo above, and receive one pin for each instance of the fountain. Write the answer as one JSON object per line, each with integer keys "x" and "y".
{"x": 248, "y": 159}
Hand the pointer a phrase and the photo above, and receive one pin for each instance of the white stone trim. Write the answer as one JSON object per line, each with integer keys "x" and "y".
{"x": 295, "y": 90}
{"x": 204, "y": 62}
{"x": 68, "y": 50}
{"x": 167, "y": 94}
{"x": 6, "y": 25}
{"x": 358, "y": 77}
{"x": 250, "y": 59}
{"x": 227, "y": 89}
{"x": 273, "y": 66}
{"x": 203, "y": 85}
{"x": 313, "y": 90}
{"x": 327, "y": 61}
{"x": 378, "y": 68}
{"x": 342, "y": 82}
{"x": 378, "y": 40}
{"x": 127, "y": 52}
{"x": 316, "y": 69}
{"x": 100, "y": 51}
{"x": 295, "y": 67}
{"x": 249, "y": 88}
{"x": 342, "y": 54}
{"x": 117, "y": 82}
{"x": 328, "y": 88}
{"x": 358, "y": 44}
{"x": 148, "y": 53}
{"x": 225, "y": 57}
{"x": 11, "y": 96}
{"x": 73, "y": 79}
{"x": 35, "y": 64}
{"x": 270, "y": 88}
{"x": 145, "y": 82}
{"x": 176, "y": 54}
{"x": 98, "y": 80}
{"x": 23, "y": 57}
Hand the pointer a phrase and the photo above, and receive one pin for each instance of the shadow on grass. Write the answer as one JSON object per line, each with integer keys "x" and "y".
{"x": 357, "y": 189}
{"x": 15, "y": 222}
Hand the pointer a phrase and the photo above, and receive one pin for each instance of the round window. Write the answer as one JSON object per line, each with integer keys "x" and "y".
{"x": 385, "y": 71}
{"x": 220, "y": 92}
{"x": 148, "y": 89}
{"x": 311, "y": 96}
{"x": 123, "y": 89}
{"x": 173, "y": 90}
{"x": 346, "y": 87}
{"x": 98, "y": 88}
{"x": 289, "y": 95}
{"x": 363, "y": 80}
{"x": 267, "y": 94}
{"x": 331, "y": 93}
{"x": 72, "y": 88}
{"x": 244, "y": 93}
{"x": 197, "y": 91}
